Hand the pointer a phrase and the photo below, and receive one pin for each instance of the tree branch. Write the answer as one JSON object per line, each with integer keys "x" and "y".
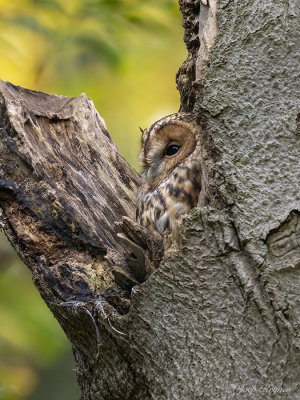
{"x": 63, "y": 188}
{"x": 220, "y": 317}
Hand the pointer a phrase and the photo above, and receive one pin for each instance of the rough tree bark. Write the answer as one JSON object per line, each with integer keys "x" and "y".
{"x": 220, "y": 318}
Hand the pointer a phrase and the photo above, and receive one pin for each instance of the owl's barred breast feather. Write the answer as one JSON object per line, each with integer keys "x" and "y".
{"x": 171, "y": 163}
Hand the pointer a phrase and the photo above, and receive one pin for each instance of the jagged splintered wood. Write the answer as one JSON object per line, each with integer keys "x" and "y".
{"x": 63, "y": 188}
{"x": 220, "y": 318}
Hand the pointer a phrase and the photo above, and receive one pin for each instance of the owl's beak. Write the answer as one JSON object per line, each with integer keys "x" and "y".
{"x": 149, "y": 176}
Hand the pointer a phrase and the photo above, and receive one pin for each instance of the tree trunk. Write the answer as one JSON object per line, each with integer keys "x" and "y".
{"x": 220, "y": 318}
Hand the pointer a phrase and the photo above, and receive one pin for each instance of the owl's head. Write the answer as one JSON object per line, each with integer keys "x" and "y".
{"x": 164, "y": 146}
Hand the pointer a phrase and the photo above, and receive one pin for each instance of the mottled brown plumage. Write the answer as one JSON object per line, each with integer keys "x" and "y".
{"x": 171, "y": 168}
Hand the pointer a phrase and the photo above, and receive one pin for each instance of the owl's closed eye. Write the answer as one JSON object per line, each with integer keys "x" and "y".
{"x": 171, "y": 170}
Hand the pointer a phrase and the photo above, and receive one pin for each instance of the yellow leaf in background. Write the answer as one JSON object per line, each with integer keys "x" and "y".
{"x": 16, "y": 382}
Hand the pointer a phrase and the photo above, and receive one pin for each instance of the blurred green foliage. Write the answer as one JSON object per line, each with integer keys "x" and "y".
{"x": 123, "y": 54}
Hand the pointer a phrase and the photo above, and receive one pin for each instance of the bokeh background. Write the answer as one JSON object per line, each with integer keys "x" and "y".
{"x": 124, "y": 54}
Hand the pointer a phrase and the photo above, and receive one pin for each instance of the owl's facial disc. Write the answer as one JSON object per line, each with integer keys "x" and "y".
{"x": 159, "y": 160}
{"x": 164, "y": 148}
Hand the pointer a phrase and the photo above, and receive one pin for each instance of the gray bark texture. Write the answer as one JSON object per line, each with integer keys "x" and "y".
{"x": 220, "y": 317}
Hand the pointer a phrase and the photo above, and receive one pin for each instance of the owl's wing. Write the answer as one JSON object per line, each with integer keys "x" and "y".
{"x": 144, "y": 249}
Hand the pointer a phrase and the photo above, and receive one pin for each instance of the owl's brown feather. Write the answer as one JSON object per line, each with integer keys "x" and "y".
{"x": 171, "y": 184}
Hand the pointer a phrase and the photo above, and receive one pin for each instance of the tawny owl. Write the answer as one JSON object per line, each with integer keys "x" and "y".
{"x": 171, "y": 170}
